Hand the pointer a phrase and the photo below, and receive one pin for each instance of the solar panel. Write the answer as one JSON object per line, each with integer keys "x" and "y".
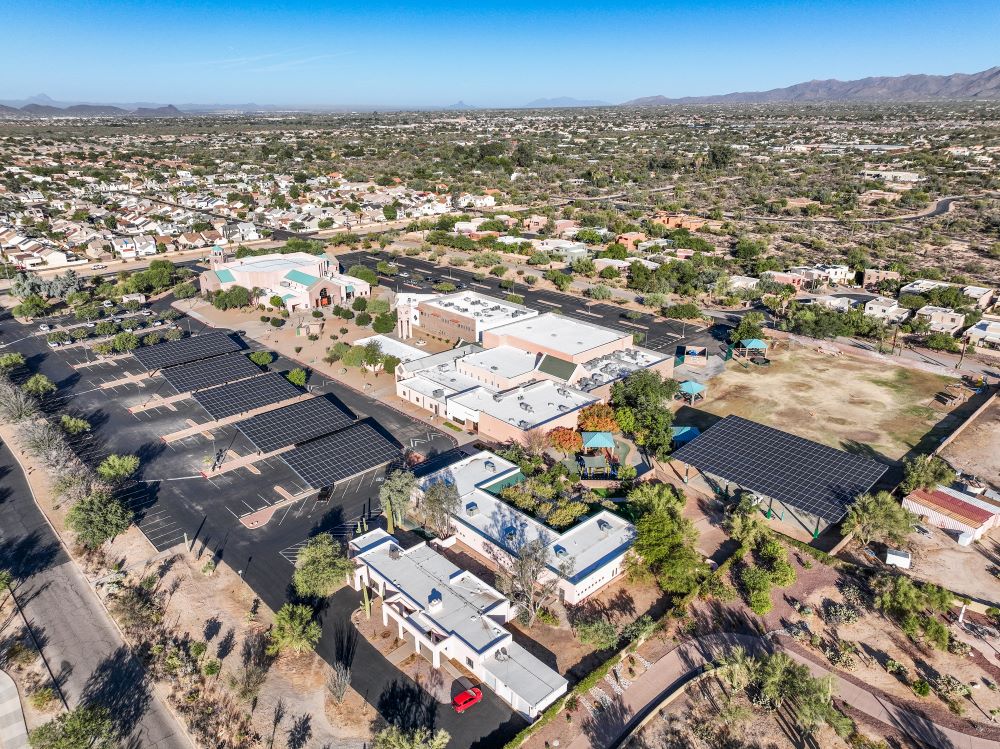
{"x": 210, "y": 372}
{"x": 294, "y": 424}
{"x": 246, "y": 395}
{"x": 172, "y": 353}
{"x": 327, "y": 460}
{"x": 800, "y": 473}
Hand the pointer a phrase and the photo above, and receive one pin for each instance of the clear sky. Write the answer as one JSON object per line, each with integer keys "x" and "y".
{"x": 435, "y": 52}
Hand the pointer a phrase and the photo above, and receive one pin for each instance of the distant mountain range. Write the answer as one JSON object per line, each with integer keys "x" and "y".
{"x": 967, "y": 86}
{"x": 40, "y": 106}
{"x": 903, "y": 88}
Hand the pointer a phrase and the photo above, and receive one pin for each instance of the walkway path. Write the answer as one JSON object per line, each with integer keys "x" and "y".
{"x": 683, "y": 662}
{"x": 13, "y": 733}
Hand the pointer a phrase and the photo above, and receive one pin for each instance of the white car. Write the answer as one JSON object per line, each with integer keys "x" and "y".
{"x": 43, "y": 327}
{"x": 98, "y": 266}
{"x": 158, "y": 323}
{"x": 107, "y": 303}
{"x": 89, "y": 325}
{"x": 53, "y": 344}
{"x": 147, "y": 313}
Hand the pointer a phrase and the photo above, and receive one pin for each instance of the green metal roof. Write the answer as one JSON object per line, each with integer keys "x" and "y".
{"x": 557, "y": 367}
{"x": 753, "y": 343}
{"x": 225, "y": 276}
{"x": 690, "y": 387}
{"x": 299, "y": 277}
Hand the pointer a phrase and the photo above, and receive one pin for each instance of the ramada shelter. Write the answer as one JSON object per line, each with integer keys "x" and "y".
{"x": 800, "y": 482}
{"x": 585, "y": 557}
{"x": 449, "y": 613}
{"x": 301, "y": 280}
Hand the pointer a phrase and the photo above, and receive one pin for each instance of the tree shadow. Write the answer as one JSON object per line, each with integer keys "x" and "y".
{"x": 120, "y": 684}
{"x": 226, "y": 645}
{"x": 605, "y": 726}
{"x": 30, "y": 554}
{"x": 213, "y": 626}
{"x": 407, "y": 706}
{"x": 300, "y": 732}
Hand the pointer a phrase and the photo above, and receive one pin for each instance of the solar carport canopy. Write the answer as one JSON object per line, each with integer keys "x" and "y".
{"x": 294, "y": 424}
{"x": 246, "y": 395}
{"x": 172, "y": 353}
{"x": 327, "y": 460}
{"x": 210, "y": 372}
{"x": 802, "y": 474}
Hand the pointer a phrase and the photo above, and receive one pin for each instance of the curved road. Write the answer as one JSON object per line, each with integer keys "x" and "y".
{"x": 938, "y": 208}
{"x": 678, "y": 666}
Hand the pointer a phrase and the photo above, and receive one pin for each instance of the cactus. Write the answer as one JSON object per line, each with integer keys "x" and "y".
{"x": 366, "y": 602}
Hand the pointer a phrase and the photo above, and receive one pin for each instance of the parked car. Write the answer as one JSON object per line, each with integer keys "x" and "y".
{"x": 53, "y": 344}
{"x": 147, "y": 313}
{"x": 89, "y": 325}
{"x": 107, "y": 304}
{"x": 157, "y": 323}
{"x": 464, "y": 700}
{"x": 98, "y": 266}
{"x": 43, "y": 327}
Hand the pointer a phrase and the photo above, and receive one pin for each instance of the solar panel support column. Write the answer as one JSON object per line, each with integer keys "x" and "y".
{"x": 816, "y": 530}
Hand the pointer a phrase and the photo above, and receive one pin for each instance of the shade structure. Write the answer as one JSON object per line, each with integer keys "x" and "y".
{"x": 598, "y": 440}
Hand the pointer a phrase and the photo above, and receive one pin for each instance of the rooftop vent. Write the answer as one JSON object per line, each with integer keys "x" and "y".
{"x": 560, "y": 551}
{"x": 395, "y": 552}
{"x": 435, "y": 600}
{"x": 490, "y": 466}
{"x": 604, "y": 525}
{"x": 472, "y": 509}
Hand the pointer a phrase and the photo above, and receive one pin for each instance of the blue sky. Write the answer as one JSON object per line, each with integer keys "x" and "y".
{"x": 370, "y": 52}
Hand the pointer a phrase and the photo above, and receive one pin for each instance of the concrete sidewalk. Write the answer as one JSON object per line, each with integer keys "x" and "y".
{"x": 13, "y": 733}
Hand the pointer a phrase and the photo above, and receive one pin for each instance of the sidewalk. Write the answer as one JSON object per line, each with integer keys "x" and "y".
{"x": 13, "y": 733}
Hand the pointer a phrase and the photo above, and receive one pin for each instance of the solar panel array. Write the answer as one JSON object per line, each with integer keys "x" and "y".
{"x": 802, "y": 474}
{"x": 172, "y": 353}
{"x": 294, "y": 424}
{"x": 327, "y": 460}
{"x": 210, "y": 372}
{"x": 246, "y": 395}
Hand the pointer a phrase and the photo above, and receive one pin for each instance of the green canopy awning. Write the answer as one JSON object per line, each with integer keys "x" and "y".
{"x": 690, "y": 387}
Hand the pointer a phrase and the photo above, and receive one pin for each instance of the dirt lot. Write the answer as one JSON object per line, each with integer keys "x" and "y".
{"x": 967, "y": 452}
{"x": 847, "y": 403}
{"x": 965, "y": 569}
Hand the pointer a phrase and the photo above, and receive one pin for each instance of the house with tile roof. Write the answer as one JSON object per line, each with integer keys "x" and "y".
{"x": 300, "y": 280}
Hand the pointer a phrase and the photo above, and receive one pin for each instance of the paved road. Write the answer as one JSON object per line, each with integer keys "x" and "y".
{"x": 680, "y": 664}
{"x": 81, "y": 645}
{"x": 938, "y": 208}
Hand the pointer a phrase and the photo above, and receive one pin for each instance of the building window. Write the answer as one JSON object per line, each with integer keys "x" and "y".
{"x": 468, "y": 662}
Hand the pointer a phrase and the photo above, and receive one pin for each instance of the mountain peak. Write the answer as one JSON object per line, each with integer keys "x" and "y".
{"x": 984, "y": 85}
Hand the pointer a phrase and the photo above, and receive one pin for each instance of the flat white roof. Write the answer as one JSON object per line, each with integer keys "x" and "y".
{"x": 392, "y": 347}
{"x": 561, "y": 333}
{"x": 488, "y": 311}
{"x": 447, "y": 598}
{"x": 275, "y": 262}
{"x": 586, "y": 547}
{"x": 528, "y": 405}
{"x": 616, "y": 365}
{"x": 506, "y": 361}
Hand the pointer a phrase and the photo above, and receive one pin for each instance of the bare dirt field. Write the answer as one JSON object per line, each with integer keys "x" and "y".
{"x": 840, "y": 401}
{"x": 977, "y": 449}
{"x": 964, "y": 569}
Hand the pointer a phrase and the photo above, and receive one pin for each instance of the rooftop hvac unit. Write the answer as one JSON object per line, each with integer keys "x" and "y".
{"x": 490, "y": 466}
{"x": 472, "y": 509}
{"x": 502, "y": 654}
{"x": 497, "y": 397}
{"x": 526, "y": 407}
{"x": 562, "y": 391}
{"x": 394, "y": 552}
{"x": 604, "y": 525}
{"x": 523, "y": 424}
{"x": 439, "y": 393}
{"x": 560, "y": 551}
{"x": 563, "y": 408}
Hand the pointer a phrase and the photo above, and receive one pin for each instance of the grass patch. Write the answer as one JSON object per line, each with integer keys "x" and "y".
{"x": 453, "y": 427}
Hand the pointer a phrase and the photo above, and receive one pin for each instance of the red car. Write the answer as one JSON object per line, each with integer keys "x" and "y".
{"x": 464, "y": 700}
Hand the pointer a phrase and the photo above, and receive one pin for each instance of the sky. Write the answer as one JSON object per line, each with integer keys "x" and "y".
{"x": 506, "y": 53}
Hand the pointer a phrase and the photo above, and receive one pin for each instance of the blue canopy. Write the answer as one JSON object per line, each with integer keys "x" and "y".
{"x": 683, "y": 435}
{"x": 754, "y": 343}
{"x": 690, "y": 387}
{"x": 594, "y": 440}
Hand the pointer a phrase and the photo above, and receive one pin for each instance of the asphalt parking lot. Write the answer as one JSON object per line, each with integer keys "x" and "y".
{"x": 174, "y": 503}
